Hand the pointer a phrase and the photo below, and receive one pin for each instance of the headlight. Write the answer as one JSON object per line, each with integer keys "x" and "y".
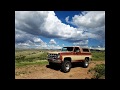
{"x": 48, "y": 55}
{"x": 58, "y": 56}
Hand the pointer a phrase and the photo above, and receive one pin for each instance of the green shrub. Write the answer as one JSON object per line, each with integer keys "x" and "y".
{"x": 19, "y": 58}
{"x": 43, "y": 56}
{"x": 99, "y": 71}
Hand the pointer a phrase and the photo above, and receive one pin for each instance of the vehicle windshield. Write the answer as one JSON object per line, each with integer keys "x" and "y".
{"x": 67, "y": 49}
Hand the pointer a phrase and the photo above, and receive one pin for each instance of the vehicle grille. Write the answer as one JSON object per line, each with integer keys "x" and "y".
{"x": 52, "y": 55}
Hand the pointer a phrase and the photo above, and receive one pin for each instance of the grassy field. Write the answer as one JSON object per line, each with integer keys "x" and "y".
{"x": 28, "y": 57}
{"x": 98, "y": 55}
{"x": 38, "y": 57}
{"x": 36, "y": 62}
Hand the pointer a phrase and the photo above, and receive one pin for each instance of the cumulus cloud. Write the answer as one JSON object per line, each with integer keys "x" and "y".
{"x": 21, "y": 36}
{"x": 31, "y": 44}
{"x": 90, "y": 24}
{"x": 67, "y": 19}
{"x": 44, "y": 23}
{"x": 54, "y": 47}
{"x": 81, "y": 43}
{"x": 52, "y": 41}
{"x": 34, "y": 42}
{"x": 29, "y": 25}
{"x": 37, "y": 40}
{"x": 26, "y": 40}
{"x": 91, "y": 19}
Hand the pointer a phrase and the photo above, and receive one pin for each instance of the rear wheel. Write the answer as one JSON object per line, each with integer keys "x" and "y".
{"x": 86, "y": 63}
{"x": 66, "y": 66}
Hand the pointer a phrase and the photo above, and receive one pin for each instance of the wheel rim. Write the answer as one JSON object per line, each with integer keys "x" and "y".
{"x": 67, "y": 66}
{"x": 86, "y": 63}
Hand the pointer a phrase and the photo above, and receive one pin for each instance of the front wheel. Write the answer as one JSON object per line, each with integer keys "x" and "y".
{"x": 86, "y": 63}
{"x": 66, "y": 66}
{"x": 51, "y": 64}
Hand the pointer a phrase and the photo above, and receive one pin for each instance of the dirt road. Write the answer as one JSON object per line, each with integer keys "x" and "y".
{"x": 45, "y": 72}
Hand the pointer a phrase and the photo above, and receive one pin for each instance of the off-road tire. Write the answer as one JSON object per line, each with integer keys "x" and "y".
{"x": 66, "y": 66}
{"x": 51, "y": 64}
{"x": 86, "y": 63}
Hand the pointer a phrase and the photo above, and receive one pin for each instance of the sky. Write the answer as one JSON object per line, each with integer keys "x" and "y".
{"x": 57, "y": 29}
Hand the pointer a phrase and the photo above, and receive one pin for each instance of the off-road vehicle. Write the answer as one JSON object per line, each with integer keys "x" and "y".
{"x": 69, "y": 55}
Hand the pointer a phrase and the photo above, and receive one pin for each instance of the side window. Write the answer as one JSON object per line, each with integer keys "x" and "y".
{"x": 76, "y": 49}
{"x": 85, "y": 50}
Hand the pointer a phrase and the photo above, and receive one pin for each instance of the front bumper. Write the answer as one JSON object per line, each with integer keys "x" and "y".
{"x": 54, "y": 60}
